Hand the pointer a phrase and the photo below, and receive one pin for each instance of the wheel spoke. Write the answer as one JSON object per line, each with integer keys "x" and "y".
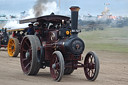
{"x": 89, "y": 72}
{"x": 27, "y": 43}
{"x": 91, "y": 58}
{"x": 24, "y": 50}
{"x": 56, "y": 60}
{"x": 93, "y": 66}
{"x": 57, "y": 73}
{"x": 53, "y": 72}
{"x": 9, "y": 48}
{"x": 57, "y": 65}
{"x": 24, "y": 59}
{"x": 30, "y": 51}
{"x": 92, "y": 72}
{"x": 11, "y": 42}
{"x": 10, "y": 45}
{"x": 28, "y": 65}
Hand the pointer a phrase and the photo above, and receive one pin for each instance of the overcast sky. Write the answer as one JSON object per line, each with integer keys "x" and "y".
{"x": 93, "y": 7}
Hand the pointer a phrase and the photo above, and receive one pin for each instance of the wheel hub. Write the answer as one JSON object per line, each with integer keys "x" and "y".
{"x": 27, "y": 55}
{"x": 12, "y": 47}
{"x": 54, "y": 66}
{"x": 91, "y": 66}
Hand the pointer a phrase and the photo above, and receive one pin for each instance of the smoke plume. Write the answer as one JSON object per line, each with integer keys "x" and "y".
{"x": 40, "y": 7}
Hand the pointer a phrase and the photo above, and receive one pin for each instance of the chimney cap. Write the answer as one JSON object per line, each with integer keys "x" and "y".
{"x": 74, "y": 8}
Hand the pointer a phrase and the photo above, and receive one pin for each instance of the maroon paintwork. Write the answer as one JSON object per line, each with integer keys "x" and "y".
{"x": 51, "y": 40}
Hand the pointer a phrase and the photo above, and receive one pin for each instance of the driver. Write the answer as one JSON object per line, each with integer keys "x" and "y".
{"x": 30, "y": 30}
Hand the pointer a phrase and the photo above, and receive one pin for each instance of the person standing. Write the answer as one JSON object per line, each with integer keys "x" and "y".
{"x": 0, "y": 38}
{"x": 30, "y": 30}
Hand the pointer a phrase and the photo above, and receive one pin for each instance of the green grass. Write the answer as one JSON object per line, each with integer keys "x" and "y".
{"x": 110, "y": 39}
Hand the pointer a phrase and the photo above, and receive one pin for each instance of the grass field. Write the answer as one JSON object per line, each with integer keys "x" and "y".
{"x": 109, "y": 39}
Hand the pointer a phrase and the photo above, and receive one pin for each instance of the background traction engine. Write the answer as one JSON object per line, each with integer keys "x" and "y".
{"x": 4, "y": 37}
{"x": 60, "y": 49}
{"x": 14, "y": 41}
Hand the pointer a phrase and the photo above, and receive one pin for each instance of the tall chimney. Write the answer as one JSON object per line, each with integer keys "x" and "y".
{"x": 74, "y": 20}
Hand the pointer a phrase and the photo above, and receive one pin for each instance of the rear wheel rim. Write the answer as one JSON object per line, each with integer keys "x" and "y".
{"x": 26, "y": 55}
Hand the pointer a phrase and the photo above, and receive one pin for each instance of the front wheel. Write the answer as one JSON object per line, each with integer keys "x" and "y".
{"x": 57, "y": 66}
{"x": 92, "y": 66}
{"x": 13, "y": 47}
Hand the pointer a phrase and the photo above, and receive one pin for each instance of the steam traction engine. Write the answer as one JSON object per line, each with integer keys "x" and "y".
{"x": 4, "y": 37}
{"x": 56, "y": 45}
{"x": 14, "y": 41}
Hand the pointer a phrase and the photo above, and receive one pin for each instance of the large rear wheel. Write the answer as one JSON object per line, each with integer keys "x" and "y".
{"x": 30, "y": 61}
{"x": 57, "y": 66}
{"x": 91, "y": 68}
{"x": 13, "y": 47}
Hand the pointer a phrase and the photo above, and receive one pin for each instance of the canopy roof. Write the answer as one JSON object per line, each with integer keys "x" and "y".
{"x": 48, "y": 18}
{"x": 18, "y": 29}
